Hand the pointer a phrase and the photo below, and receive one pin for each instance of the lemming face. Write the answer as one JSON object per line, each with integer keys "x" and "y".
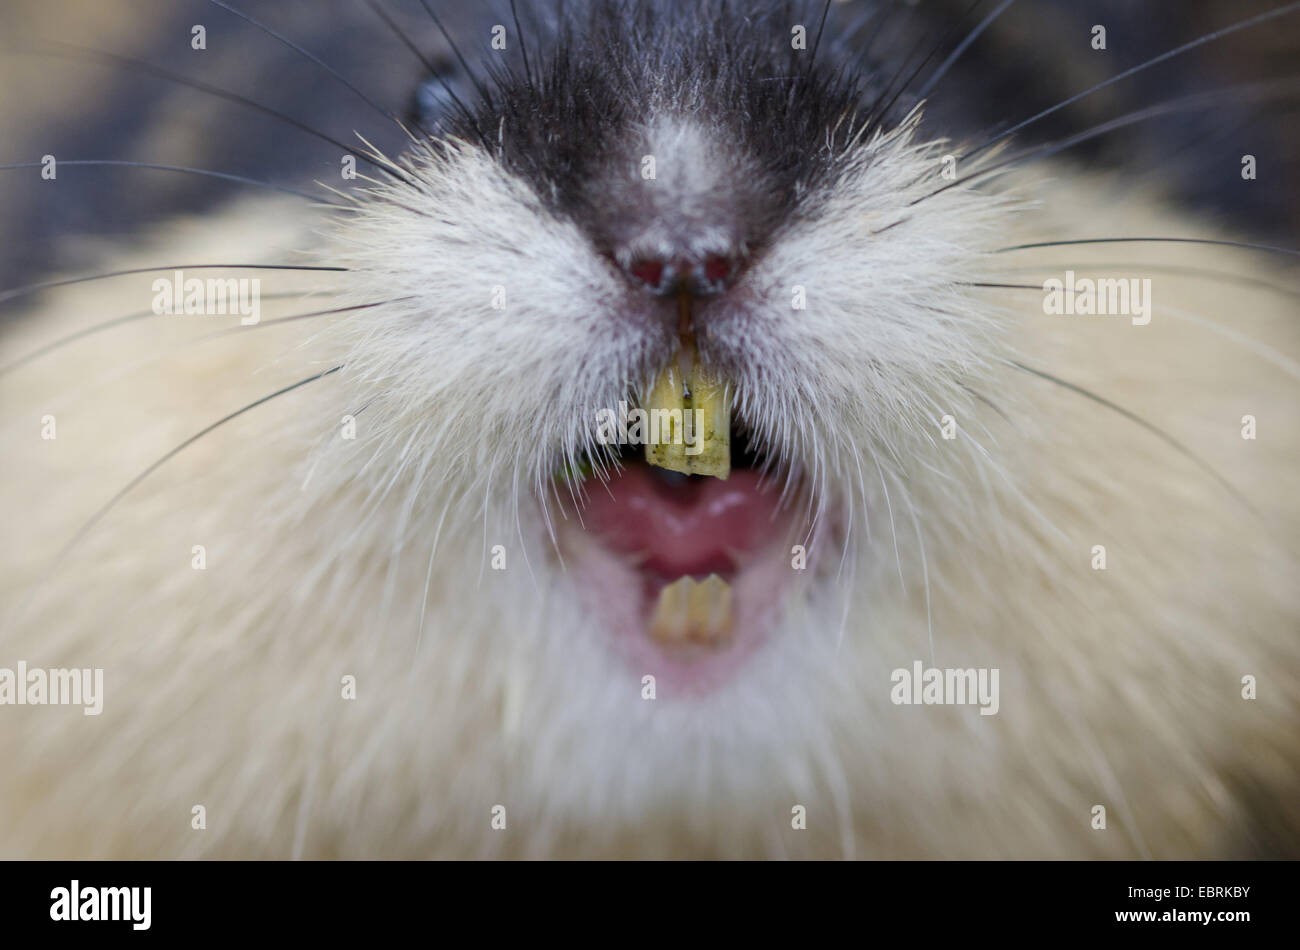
{"x": 679, "y": 453}
{"x": 652, "y": 210}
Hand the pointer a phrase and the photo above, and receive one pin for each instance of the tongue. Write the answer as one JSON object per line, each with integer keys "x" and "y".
{"x": 701, "y": 526}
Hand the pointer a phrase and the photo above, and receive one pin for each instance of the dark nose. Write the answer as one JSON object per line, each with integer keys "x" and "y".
{"x": 669, "y": 277}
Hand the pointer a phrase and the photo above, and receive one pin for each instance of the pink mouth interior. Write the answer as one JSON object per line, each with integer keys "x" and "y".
{"x": 641, "y": 531}
{"x": 699, "y": 527}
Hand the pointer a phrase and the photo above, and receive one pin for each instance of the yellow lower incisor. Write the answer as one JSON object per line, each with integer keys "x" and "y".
{"x": 693, "y": 431}
{"x": 690, "y": 611}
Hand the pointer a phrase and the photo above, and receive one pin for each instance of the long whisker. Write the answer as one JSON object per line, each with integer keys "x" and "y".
{"x": 386, "y": 113}
{"x": 123, "y": 371}
{"x": 207, "y": 173}
{"x": 1169, "y": 54}
{"x": 1268, "y": 248}
{"x": 523, "y": 46}
{"x": 925, "y": 567}
{"x": 428, "y": 65}
{"x": 108, "y": 506}
{"x": 1153, "y": 429}
{"x": 881, "y": 112}
{"x": 1287, "y": 365}
{"x": 455, "y": 49}
{"x": 50, "y": 284}
{"x": 58, "y": 48}
{"x": 821, "y": 25}
{"x": 992, "y": 405}
{"x": 1047, "y": 149}
{"x": 108, "y": 325}
{"x": 406, "y": 41}
{"x": 971, "y": 37}
{"x": 1197, "y": 273}
{"x": 293, "y": 318}
{"x": 889, "y": 508}
{"x": 886, "y": 17}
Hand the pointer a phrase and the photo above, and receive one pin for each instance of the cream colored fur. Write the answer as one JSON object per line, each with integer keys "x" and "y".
{"x": 478, "y": 687}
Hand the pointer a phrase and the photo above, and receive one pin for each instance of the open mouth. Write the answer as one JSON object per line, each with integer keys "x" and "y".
{"x": 687, "y": 538}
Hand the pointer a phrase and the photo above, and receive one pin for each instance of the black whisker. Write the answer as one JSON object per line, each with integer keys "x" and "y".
{"x": 1153, "y": 429}
{"x": 454, "y": 49}
{"x": 406, "y": 40}
{"x": 876, "y": 114}
{"x": 523, "y": 46}
{"x": 821, "y": 25}
{"x": 292, "y": 318}
{"x": 386, "y": 113}
{"x": 884, "y": 13}
{"x": 890, "y": 226}
{"x": 1246, "y": 91}
{"x": 98, "y": 515}
{"x": 432, "y": 69}
{"x": 208, "y": 173}
{"x": 883, "y": 111}
{"x": 1168, "y": 54}
{"x": 106, "y": 325}
{"x": 49, "y": 284}
{"x": 1153, "y": 240}
{"x": 1145, "y": 268}
{"x": 971, "y": 37}
{"x": 991, "y": 404}
{"x": 58, "y": 48}
{"x": 1202, "y": 273}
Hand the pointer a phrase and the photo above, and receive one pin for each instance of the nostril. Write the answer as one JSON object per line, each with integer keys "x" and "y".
{"x": 667, "y": 277}
{"x": 648, "y": 272}
{"x": 718, "y": 269}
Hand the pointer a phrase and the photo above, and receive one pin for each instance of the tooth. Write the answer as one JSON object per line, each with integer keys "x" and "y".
{"x": 665, "y": 395}
{"x": 686, "y": 385}
{"x": 709, "y": 615}
{"x": 710, "y": 396}
{"x": 687, "y": 610}
{"x": 668, "y": 624}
